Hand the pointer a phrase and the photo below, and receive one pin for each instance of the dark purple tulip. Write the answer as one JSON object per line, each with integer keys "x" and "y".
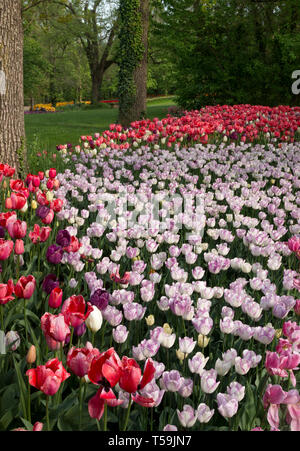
{"x": 234, "y": 135}
{"x": 49, "y": 283}
{"x": 42, "y": 211}
{"x": 54, "y": 254}
{"x": 100, "y": 299}
{"x": 2, "y": 232}
{"x": 80, "y": 330}
{"x": 63, "y": 238}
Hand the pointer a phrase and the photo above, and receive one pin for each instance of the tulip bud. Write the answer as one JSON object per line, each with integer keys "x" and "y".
{"x": 167, "y": 329}
{"x": 278, "y": 333}
{"x": 49, "y": 196}
{"x": 94, "y": 320}
{"x": 25, "y": 208}
{"x": 203, "y": 341}
{"x": 180, "y": 355}
{"x": 31, "y": 355}
{"x": 19, "y": 247}
{"x": 150, "y": 320}
{"x": 34, "y": 204}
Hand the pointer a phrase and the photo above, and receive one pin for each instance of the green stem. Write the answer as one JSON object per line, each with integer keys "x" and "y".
{"x": 105, "y": 417}
{"x": 47, "y": 414}
{"x": 127, "y": 414}
{"x": 2, "y": 317}
{"x": 25, "y": 319}
{"x": 28, "y": 399}
{"x": 98, "y": 425}
{"x": 71, "y": 338}
{"x": 80, "y": 404}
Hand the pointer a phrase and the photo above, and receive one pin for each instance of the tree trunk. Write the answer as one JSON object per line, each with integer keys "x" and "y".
{"x": 141, "y": 72}
{"x": 12, "y": 130}
{"x": 132, "y": 98}
{"x": 97, "y": 79}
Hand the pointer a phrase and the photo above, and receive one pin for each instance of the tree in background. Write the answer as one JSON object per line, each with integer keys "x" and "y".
{"x": 231, "y": 51}
{"x": 95, "y": 25}
{"x": 133, "y": 59}
{"x": 12, "y": 132}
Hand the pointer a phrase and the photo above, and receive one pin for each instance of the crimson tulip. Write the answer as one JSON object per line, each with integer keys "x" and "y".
{"x": 74, "y": 310}
{"x": 17, "y": 229}
{"x": 25, "y": 287}
{"x": 49, "y": 218}
{"x": 79, "y": 359}
{"x": 57, "y": 205}
{"x": 55, "y": 329}
{"x": 97, "y": 403}
{"x": 16, "y": 201}
{"x": 6, "y": 247}
{"x": 6, "y": 292}
{"x": 105, "y": 369}
{"x": 39, "y": 234}
{"x": 48, "y": 378}
{"x": 55, "y": 298}
{"x": 19, "y": 247}
{"x": 130, "y": 375}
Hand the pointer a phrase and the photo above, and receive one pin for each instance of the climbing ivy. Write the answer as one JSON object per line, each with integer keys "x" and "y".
{"x": 131, "y": 51}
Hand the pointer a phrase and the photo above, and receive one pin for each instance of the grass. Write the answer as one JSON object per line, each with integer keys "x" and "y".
{"x": 46, "y": 131}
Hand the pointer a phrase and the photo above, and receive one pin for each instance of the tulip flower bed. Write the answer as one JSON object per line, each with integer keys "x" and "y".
{"x": 212, "y": 124}
{"x": 155, "y": 287}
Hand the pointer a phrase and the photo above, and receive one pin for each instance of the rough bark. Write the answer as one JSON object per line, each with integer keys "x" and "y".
{"x": 12, "y": 130}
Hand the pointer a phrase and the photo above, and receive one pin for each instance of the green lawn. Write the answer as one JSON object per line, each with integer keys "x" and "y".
{"x": 46, "y": 131}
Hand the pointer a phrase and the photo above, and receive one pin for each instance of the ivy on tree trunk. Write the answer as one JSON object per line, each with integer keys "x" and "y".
{"x": 133, "y": 52}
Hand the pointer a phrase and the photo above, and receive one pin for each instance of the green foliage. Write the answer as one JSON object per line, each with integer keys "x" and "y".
{"x": 131, "y": 50}
{"x": 233, "y": 51}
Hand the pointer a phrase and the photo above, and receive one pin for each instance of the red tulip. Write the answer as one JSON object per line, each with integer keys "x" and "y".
{"x": 16, "y": 201}
{"x": 149, "y": 371}
{"x": 25, "y": 287}
{"x": 48, "y": 378}
{"x": 79, "y": 359}
{"x": 54, "y": 328}
{"x": 49, "y": 218}
{"x": 6, "y": 170}
{"x": 55, "y": 298}
{"x": 17, "y": 229}
{"x": 143, "y": 401}
{"x": 106, "y": 368}
{"x": 57, "y": 205}
{"x": 130, "y": 379}
{"x": 74, "y": 246}
{"x": 19, "y": 247}
{"x": 6, "y": 292}
{"x": 39, "y": 234}
{"x": 6, "y": 247}
{"x": 50, "y": 184}
{"x": 52, "y": 173}
{"x": 122, "y": 280}
{"x": 17, "y": 185}
{"x": 74, "y": 312}
{"x": 97, "y": 403}
{"x": 41, "y": 198}
{"x": 130, "y": 375}
{"x": 4, "y": 217}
